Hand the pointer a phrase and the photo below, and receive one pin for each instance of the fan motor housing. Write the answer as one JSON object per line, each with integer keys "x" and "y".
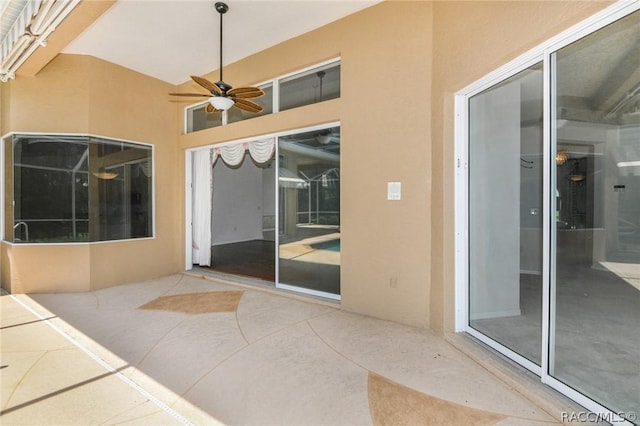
{"x": 221, "y": 7}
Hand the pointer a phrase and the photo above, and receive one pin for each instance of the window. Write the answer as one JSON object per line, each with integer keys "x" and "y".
{"x": 199, "y": 119}
{"x": 317, "y": 84}
{"x": 80, "y": 188}
{"x": 265, "y": 101}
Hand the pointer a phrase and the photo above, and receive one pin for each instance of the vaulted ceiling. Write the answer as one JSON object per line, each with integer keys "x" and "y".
{"x": 171, "y": 39}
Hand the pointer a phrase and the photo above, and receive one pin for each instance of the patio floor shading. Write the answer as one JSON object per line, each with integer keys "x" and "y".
{"x": 186, "y": 349}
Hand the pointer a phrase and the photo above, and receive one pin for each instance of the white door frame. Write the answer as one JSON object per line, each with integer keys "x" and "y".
{"x": 542, "y": 53}
{"x": 188, "y": 167}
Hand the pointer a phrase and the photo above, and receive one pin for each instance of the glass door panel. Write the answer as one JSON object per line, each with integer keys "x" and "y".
{"x": 309, "y": 211}
{"x": 595, "y": 295}
{"x": 505, "y": 213}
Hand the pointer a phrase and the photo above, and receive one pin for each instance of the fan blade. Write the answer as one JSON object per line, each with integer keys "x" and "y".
{"x": 212, "y": 87}
{"x": 246, "y": 92}
{"x": 191, "y": 94}
{"x": 211, "y": 109}
{"x": 249, "y": 106}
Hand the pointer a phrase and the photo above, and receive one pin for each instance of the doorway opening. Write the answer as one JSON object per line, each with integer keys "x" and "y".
{"x": 269, "y": 209}
{"x": 548, "y": 190}
{"x": 243, "y": 219}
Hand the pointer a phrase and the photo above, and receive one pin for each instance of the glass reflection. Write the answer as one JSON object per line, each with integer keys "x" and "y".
{"x": 309, "y": 221}
{"x": 80, "y": 188}
{"x": 595, "y": 306}
{"x": 317, "y": 85}
{"x": 505, "y": 243}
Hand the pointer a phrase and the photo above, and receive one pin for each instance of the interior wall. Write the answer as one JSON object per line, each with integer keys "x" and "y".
{"x": 494, "y": 224}
{"x": 385, "y": 249}
{"x": 531, "y": 201}
{"x": 81, "y": 94}
{"x": 471, "y": 39}
{"x": 237, "y": 202}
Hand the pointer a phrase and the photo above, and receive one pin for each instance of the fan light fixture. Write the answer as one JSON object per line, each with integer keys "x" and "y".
{"x": 220, "y": 103}
{"x": 323, "y": 139}
{"x": 576, "y": 174}
{"x": 106, "y": 175}
{"x": 561, "y": 157}
{"x": 221, "y": 95}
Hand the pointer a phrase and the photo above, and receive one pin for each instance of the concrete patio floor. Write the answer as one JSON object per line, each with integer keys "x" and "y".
{"x": 186, "y": 349}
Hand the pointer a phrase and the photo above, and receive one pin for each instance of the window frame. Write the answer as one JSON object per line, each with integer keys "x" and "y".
{"x": 274, "y": 83}
{"x": 8, "y": 139}
{"x": 188, "y": 211}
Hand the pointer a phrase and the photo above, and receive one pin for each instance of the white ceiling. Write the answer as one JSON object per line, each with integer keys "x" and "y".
{"x": 173, "y": 39}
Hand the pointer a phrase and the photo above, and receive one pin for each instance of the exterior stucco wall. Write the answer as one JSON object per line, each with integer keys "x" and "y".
{"x": 48, "y": 268}
{"x": 384, "y": 111}
{"x": 402, "y": 62}
{"x": 81, "y": 94}
{"x": 472, "y": 38}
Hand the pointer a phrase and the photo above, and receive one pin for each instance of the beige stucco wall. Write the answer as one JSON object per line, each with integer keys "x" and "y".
{"x": 81, "y": 94}
{"x": 384, "y": 110}
{"x": 402, "y": 62}
{"x": 47, "y": 268}
{"x": 472, "y": 39}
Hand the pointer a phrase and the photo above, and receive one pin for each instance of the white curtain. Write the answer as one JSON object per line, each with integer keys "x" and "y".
{"x": 231, "y": 154}
{"x": 202, "y": 197}
{"x": 260, "y": 150}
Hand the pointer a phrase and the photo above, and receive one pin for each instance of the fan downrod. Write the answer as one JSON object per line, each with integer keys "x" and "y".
{"x": 221, "y": 7}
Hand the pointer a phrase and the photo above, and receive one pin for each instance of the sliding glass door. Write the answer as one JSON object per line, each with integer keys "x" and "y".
{"x": 552, "y": 218}
{"x": 505, "y": 213}
{"x": 309, "y": 212}
{"x": 595, "y": 297}
{"x": 269, "y": 209}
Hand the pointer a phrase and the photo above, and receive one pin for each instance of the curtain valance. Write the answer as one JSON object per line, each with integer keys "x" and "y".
{"x": 260, "y": 150}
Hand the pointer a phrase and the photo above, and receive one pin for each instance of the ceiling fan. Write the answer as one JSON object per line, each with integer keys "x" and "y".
{"x": 221, "y": 95}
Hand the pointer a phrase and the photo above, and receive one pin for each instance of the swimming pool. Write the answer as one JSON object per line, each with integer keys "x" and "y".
{"x": 331, "y": 245}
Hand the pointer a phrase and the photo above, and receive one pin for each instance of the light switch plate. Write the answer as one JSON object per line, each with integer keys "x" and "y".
{"x": 394, "y": 191}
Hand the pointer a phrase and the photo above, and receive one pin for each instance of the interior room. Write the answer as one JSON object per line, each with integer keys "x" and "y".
{"x": 243, "y": 210}
{"x": 246, "y": 227}
{"x": 594, "y": 215}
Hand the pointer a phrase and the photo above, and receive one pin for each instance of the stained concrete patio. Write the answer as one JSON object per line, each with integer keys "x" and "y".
{"x": 185, "y": 349}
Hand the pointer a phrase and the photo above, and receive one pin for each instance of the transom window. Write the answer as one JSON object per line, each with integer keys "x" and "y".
{"x": 316, "y": 84}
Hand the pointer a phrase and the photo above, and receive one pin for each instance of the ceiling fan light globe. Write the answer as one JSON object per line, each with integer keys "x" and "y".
{"x": 221, "y": 103}
{"x": 323, "y": 139}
